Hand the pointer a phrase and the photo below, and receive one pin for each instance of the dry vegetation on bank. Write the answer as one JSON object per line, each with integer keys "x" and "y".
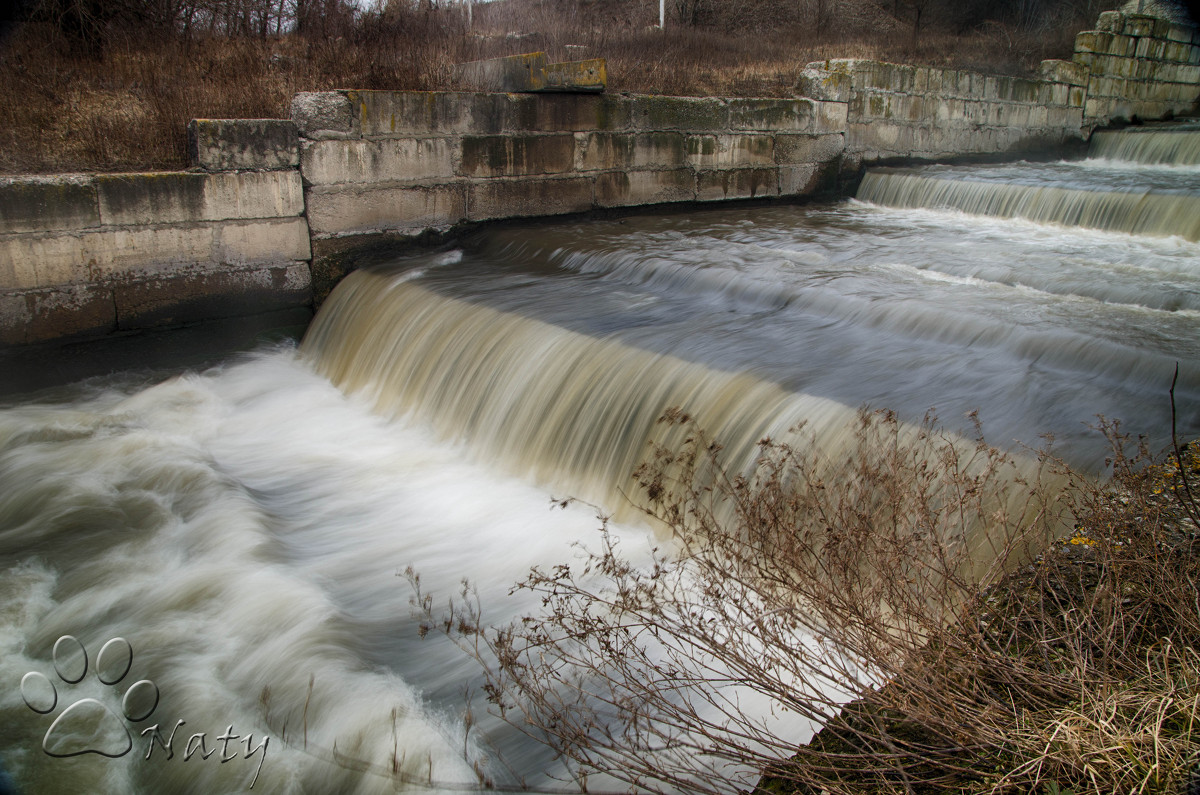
{"x": 884, "y": 579}
{"x": 109, "y": 85}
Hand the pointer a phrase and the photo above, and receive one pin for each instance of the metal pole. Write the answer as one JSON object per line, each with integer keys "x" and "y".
{"x": 662, "y": 14}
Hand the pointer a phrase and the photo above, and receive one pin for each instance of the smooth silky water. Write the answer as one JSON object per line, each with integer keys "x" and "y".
{"x": 245, "y": 527}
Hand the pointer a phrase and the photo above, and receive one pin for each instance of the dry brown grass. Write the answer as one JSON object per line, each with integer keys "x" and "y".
{"x": 124, "y": 106}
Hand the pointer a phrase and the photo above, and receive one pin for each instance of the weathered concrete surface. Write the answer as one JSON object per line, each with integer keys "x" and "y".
{"x": 243, "y": 144}
{"x": 341, "y": 210}
{"x": 899, "y": 111}
{"x": 181, "y": 197}
{"x": 629, "y": 188}
{"x": 532, "y": 72}
{"x": 590, "y": 75}
{"x": 1138, "y": 67}
{"x": 92, "y": 254}
{"x": 333, "y": 162}
{"x": 392, "y": 161}
{"x": 514, "y": 73}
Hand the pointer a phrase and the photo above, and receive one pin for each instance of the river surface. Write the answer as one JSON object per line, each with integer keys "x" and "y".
{"x": 244, "y": 524}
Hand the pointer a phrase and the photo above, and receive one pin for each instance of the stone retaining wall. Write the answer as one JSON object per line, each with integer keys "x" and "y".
{"x": 383, "y": 161}
{"x": 896, "y": 111}
{"x": 274, "y": 209}
{"x": 1131, "y": 67}
{"x": 1138, "y": 66}
{"x": 92, "y": 254}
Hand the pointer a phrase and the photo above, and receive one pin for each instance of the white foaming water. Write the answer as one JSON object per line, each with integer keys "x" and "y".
{"x": 244, "y": 530}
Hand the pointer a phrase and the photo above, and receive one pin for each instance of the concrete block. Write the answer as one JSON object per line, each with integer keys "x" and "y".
{"x": 792, "y": 149}
{"x": 235, "y": 144}
{"x": 872, "y": 105}
{"x": 628, "y": 188}
{"x": 935, "y": 81}
{"x": 821, "y": 83}
{"x": 42, "y": 204}
{"x": 730, "y": 151}
{"x": 880, "y": 138}
{"x": 748, "y": 183}
{"x": 1111, "y": 21}
{"x": 590, "y": 76}
{"x": 921, "y": 77}
{"x": 1068, "y": 72}
{"x": 1053, "y": 94}
{"x": 801, "y": 180}
{"x": 1180, "y": 33}
{"x": 18, "y": 263}
{"x": 688, "y": 114}
{"x": 1101, "y": 108}
{"x": 425, "y": 113}
{"x": 1076, "y": 97}
{"x": 832, "y": 117}
{"x": 53, "y": 260}
{"x": 516, "y": 155}
{"x": 1188, "y": 75}
{"x": 28, "y": 316}
{"x": 529, "y": 197}
{"x": 379, "y": 160}
{"x": 324, "y": 114}
{"x": 884, "y": 76}
{"x": 1121, "y": 46}
{"x": 602, "y": 151}
{"x": 782, "y": 115}
{"x": 70, "y": 258}
{"x": 194, "y": 294}
{"x": 143, "y": 199}
{"x": 559, "y": 113}
{"x": 1151, "y": 48}
{"x": 1069, "y": 120}
{"x": 357, "y": 210}
{"x": 278, "y": 194}
{"x": 1088, "y": 41}
{"x": 532, "y": 72}
{"x": 1019, "y": 115}
{"x": 1176, "y": 52}
{"x": 273, "y": 241}
{"x": 950, "y": 111}
{"x": 991, "y": 88}
{"x": 1139, "y": 25}
{"x": 181, "y": 197}
{"x": 525, "y": 72}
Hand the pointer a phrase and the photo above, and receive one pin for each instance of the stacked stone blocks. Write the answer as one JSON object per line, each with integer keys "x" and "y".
{"x": 386, "y": 162}
{"x": 897, "y": 111}
{"x": 88, "y": 254}
{"x": 1138, "y": 66}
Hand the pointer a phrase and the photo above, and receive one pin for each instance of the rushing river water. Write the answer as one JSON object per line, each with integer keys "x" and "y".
{"x": 243, "y": 527}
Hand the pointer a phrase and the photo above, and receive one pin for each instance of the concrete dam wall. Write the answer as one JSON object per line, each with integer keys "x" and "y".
{"x": 273, "y": 210}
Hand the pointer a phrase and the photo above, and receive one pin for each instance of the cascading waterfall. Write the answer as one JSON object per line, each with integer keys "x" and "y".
{"x": 243, "y": 527}
{"x": 1069, "y": 194}
{"x": 557, "y": 407}
{"x": 1132, "y": 212}
{"x": 1151, "y": 147}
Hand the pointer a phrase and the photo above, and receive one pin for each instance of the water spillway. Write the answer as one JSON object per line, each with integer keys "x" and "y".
{"x": 1174, "y": 147}
{"x": 242, "y": 526}
{"x": 1123, "y": 186}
